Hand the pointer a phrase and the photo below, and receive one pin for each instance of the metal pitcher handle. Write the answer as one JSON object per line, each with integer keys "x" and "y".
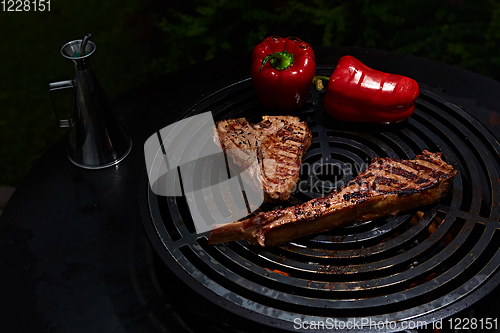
{"x": 58, "y": 86}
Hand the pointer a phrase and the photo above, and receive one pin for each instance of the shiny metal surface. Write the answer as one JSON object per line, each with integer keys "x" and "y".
{"x": 84, "y": 44}
{"x": 96, "y": 137}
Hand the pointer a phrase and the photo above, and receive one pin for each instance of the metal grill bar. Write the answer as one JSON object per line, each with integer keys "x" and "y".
{"x": 393, "y": 269}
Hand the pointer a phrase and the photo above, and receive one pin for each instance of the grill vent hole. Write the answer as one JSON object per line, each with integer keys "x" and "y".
{"x": 350, "y": 148}
{"x": 412, "y": 141}
{"x": 446, "y": 239}
{"x": 172, "y": 230}
{"x": 186, "y": 214}
{"x": 416, "y": 128}
{"x": 368, "y": 141}
{"x": 329, "y": 173}
{"x": 466, "y": 193}
{"x": 315, "y": 145}
{"x": 485, "y": 210}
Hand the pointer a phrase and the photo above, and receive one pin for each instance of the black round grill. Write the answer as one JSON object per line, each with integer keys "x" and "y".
{"x": 395, "y": 269}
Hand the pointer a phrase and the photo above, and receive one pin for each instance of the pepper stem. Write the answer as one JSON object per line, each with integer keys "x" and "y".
{"x": 279, "y": 60}
{"x": 317, "y": 81}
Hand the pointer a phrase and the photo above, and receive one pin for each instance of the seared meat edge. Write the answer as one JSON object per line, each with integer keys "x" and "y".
{"x": 386, "y": 187}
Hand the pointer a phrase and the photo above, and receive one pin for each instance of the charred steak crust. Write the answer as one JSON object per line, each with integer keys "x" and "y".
{"x": 386, "y": 187}
{"x": 279, "y": 142}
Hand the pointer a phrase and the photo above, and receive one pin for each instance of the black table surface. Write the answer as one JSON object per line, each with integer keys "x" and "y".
{"x": 74, "y": 256}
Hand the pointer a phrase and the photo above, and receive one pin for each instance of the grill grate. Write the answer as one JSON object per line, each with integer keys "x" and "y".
{"x": 396, "y": 268}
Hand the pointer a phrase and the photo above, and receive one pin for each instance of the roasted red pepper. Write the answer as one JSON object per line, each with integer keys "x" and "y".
{"x": 282, "y": 72}
{"x": 358, "y": 93}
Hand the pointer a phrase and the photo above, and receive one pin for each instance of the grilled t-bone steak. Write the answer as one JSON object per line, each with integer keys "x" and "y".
{"x": 279, "y": 143}
{"x": 385, "y": 188}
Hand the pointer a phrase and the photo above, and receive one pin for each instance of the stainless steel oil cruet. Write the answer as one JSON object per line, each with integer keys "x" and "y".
{"x": 96, "y": 136}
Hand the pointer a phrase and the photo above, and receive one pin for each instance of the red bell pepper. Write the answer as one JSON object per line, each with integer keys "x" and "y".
{"x": 282, "y": 72}
{"x": 358, "y": 93}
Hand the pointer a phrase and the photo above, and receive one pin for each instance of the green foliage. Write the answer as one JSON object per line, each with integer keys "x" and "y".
{"x": 463, "y": 33}
{"x": 207, "y": 29}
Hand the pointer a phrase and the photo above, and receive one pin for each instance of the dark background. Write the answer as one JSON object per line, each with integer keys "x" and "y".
{"x": 138, "y": 40}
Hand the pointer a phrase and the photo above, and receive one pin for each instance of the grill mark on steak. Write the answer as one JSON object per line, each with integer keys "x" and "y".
{"x": 378, "y": 191}
{"x": 407, "y": 191}
{"x": 385, "y": 181}
{"x": 279, "y": 142}
{"x": 404, "y": 173}
{"x": 415, "y": 166}
{"x": 356, "y": 195}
